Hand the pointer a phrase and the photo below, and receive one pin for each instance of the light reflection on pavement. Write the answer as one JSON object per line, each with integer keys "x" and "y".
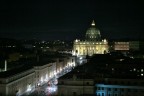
{"x": 48, "y": 89}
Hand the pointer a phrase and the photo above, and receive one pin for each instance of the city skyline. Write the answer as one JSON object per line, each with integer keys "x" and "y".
{"x": 49, "y": 20}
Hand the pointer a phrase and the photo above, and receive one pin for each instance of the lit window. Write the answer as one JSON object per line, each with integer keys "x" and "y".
{"x": 134, "y": 69}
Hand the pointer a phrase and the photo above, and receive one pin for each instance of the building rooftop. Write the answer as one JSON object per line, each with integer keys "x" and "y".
{"x": 15, "y": 71}
{"x": 23, "y": 66}
{"x": 107, "y": 66}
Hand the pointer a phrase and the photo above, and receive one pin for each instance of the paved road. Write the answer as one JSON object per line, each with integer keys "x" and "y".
{"x": 47, "y": 89}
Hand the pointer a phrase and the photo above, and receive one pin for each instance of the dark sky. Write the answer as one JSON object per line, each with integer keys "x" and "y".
{"x": 68, "y": 20}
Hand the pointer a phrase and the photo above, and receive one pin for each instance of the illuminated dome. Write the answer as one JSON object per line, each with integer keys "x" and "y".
{"x": 93, "y": 34}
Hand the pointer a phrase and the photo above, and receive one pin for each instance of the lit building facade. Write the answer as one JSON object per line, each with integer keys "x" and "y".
{"x": 44, "y": 73}
{"x": 127, "y": 45}
{"x": 25, "y": 80}
{"x": 17, "y": 84}
{"x": 93, "y": 43}
{"x": 121, "y": 46}
{"x": 119, "y": 87}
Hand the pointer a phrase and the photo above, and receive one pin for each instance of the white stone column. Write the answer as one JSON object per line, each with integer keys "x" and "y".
{"x": 5, "y": 65}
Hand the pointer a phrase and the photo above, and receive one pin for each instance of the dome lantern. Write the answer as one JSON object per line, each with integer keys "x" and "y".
{"x": 93, "y": 23}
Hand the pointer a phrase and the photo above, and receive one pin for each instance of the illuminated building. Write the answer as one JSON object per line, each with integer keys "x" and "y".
{"x": 93, "y": 44}
{"x": 119, "y": 87}
{"x": 127, "y": 46}
{"x": 105, "y": 75}
{"x": 14, "y": 84}
{"x": 25, "y": 79}
{"x": 121, "y": 46}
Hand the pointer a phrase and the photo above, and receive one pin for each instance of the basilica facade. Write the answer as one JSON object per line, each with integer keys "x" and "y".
{"x": 93, "y": 44}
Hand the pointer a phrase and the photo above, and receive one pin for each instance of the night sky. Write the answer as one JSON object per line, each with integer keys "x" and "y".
{"x": 68, "y": 20}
